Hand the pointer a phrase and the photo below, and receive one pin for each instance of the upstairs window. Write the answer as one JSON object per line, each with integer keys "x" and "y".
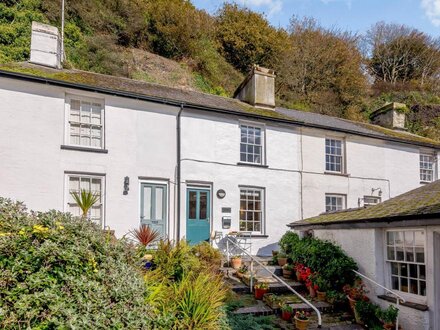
{"x": 85, "y": 122}
{"x": 406, "y": 259}
{"x": 334, "y": 202}
{"x": 251, "y": 144}
{"x": 334, "y": 160}
{"x": 426, "y": 168}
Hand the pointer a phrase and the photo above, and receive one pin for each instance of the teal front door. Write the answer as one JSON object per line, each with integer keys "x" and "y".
{"x": 154, "y": 207}
{"x": 197, "y": 215}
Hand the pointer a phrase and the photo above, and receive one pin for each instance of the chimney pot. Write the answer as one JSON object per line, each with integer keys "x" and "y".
{"x": 45, "y": 45}
{"x": 258, "y": 88}
{"x": 391, "y": 115}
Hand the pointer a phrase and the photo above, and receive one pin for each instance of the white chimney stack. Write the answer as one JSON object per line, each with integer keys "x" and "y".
{"x": 45, "y": 45}
{"x": 258, "y": 89}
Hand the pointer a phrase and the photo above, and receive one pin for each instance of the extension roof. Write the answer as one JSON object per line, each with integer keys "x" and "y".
{"x": 136, "y": 89}
{"x": 423, "y": 202}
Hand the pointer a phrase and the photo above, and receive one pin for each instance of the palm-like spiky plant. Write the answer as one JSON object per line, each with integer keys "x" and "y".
{"x": 145, "y": 234}
{"x": 85, "y": 200}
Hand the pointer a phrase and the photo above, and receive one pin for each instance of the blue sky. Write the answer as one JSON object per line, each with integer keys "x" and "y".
{"x": 354, "y": 15}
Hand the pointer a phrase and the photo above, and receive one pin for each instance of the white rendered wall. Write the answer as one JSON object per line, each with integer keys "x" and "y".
{"x": 139, "y": 136}
{"x": 366, "y": 247}
{"x": 210, "y": 153}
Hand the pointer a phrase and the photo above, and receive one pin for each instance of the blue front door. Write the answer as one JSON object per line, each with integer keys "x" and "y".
{"x": 154, "y": 207}
{"x": 197, "y": 215}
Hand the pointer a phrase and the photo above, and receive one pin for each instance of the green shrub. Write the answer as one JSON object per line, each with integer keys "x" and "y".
{"x": 367, "y": 312}
{"x": 57, "y": 271}
{"x": 323, "y": 257}
{"x": 183, "y": 289}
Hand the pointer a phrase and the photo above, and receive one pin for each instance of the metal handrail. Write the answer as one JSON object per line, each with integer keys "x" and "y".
{"x": 277, "y": 278}
{"x": 398, "y": 296}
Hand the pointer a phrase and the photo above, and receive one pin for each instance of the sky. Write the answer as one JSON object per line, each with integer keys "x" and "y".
{"x": 353, "y": 15}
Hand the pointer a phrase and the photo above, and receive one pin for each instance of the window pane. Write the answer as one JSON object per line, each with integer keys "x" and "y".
{"x": 394, "y": 268}
{"x": 409, "y": 254}
{"x": 413, "y": 286}
{"x": 147, "y": 202}
{"x": 203, "y": 205}
{"x": 391, "y": 255}
{"x": 390, "y": 238}
{"x": 159, "y": 195}
{"x": 403, "y": 284}
{"x": 395, "y": 283}
{"x": 192, "y": 204}
{"x": 422, "y": 288}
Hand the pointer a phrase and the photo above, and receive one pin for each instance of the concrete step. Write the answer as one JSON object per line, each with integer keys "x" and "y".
{"x": 322, "y": 306}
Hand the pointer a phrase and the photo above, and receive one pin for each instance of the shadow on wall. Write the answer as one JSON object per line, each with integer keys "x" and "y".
{"x": 266, "y": 251}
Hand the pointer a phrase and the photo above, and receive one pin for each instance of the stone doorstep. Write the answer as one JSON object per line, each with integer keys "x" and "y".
{"x": 257, "y": 310}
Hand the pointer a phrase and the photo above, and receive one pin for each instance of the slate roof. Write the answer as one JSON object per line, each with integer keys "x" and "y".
{"x": 144, "y": 90}
{"x": 423, "y": 201}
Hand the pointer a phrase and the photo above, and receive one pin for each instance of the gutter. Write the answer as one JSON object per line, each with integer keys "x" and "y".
{"x": 55, "y": 82}
{"x": 371, "y": 222}
{"x": 178, "y": 169}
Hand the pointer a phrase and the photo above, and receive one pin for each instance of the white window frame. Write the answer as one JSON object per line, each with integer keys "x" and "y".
{"x": 68, "y": 122}
{"x": 343, "y": 198}
{"x": 262, "y": 144}
{"x": 387, "y": 265}
{"x": 261, "y": 212}
{"x": 425, "y": 170}
{"x": 342, "y": 155}
{"x": 67, "y": 191}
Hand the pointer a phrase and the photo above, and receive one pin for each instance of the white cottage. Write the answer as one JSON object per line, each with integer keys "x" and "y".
{"x": 189, "y": 163}
{"x": 397, "y": 244}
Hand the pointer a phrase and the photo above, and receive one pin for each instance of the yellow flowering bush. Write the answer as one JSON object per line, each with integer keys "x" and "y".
{"x": 60, "y": 272}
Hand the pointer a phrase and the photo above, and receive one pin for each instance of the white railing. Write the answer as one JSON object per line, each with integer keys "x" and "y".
{"x": 398, "y": 297}
{"x": 228, "y": 240}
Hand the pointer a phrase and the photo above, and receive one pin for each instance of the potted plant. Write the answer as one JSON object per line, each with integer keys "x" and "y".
{"x": 323, "y": 287}
{"x": 336, "y": 299}
{"x": 287, "y": 271}
{"x": 355, "y": 293}
{"x": 236, "y": 262}
{"x": 366, "y": 313}
{"x": 301, "y": 320}
{"x": 298, "y": 269}
{"x": 286, "y": 312}
{"x": 282, "y": 259}
{"x": 388, "y": 317}
{"x": 241, "y": 271}
{"x": 260, "y": 289}
{"x": 272, "y": 300}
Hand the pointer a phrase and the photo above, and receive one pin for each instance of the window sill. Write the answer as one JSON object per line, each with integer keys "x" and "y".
{"x": 253, "y": 236}
{"x": 252, "y": 165}
{"x": 337, "y": 174}
{"x": 86, "y": 149}
{"x": 419, "y": 307}
{"x": 426, "y": 182}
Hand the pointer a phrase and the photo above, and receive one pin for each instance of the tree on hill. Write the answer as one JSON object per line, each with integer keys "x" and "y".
{"x": 321, "y": 69}
{"x": 246, "y": 38}
{"x": 401, "y": 54}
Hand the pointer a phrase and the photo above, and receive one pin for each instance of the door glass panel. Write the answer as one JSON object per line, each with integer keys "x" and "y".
{"x": 203, "y": 205}
{"x": 147, "y": 203}
{"x": 159, "y": 194}
{"x": 192, "y": 204}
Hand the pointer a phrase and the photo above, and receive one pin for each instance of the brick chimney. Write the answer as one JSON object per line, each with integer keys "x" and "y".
{"x": 391, "y": 115}
{"x": 45, "y": 45}
{"x": 258, "y": 88}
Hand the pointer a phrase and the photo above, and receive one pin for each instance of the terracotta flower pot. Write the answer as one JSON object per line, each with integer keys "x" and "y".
{"x": 287, "y": 273}
{"x": 321, "y": 295}
{"x": 259, "y": 293}
{"x": 298, "y": 276}
{"x": 236, "y": 263}
{"x": 282, "y": 261}
{"x": 301, "y": 324}
{"x": 312, "y": 292}
{"x": 286, "y": 316}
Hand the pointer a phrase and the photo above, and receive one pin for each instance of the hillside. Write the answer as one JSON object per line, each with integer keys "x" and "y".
{"x": 173, "y": 43}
